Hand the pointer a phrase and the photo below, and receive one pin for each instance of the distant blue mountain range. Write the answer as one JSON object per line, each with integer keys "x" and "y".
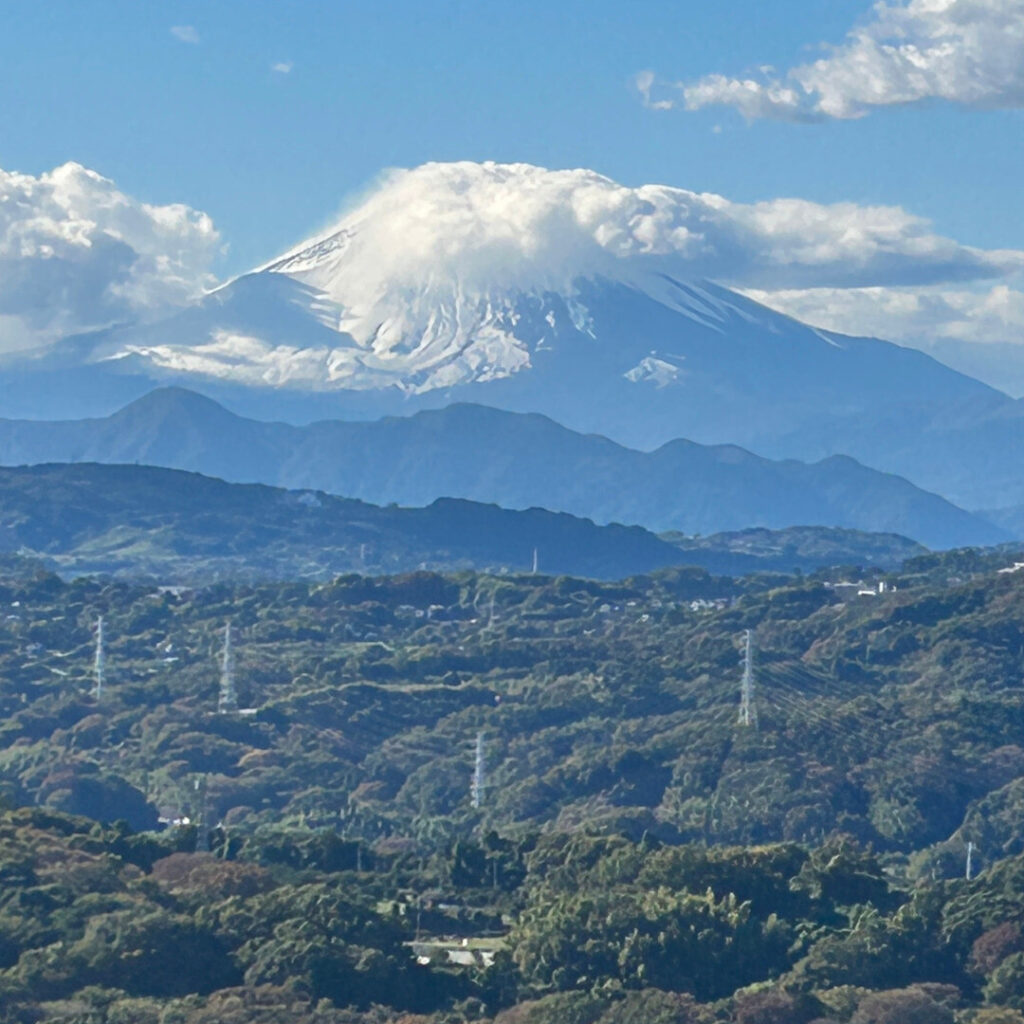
{"x": 515, "y": 460}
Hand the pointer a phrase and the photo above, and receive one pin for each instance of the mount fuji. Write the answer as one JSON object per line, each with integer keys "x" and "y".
{"x": 553, "y": 292}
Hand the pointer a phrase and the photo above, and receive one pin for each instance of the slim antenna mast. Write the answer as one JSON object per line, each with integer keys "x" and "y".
{"x": 535, "y": 563}
{"x": 228, "y": 698}
{"x": 100, "y": 664}
{"x": 479, "y": 781}
{"x": 748, "y": 712}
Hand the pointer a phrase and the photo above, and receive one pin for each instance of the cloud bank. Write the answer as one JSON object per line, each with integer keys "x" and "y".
{"x": 968, "y": 52}
{"x": 78, "y": 254}
{"x": 875, "y": 270}
{"x": 485, "y": 224}
{"x": 917, "y": 316}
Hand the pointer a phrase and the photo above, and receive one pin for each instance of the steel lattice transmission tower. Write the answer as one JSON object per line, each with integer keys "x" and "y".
{"x": 748, "y": 709}
{"x": 99, "y": 668}
{"x": 479, "y": 773}
{"x": 201, "y": 813}
{"x": 228, "y": 697}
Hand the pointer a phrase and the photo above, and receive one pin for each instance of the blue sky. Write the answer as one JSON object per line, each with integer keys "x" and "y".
{"x": 271, "y": 155}
{"x": 270, "y": 117}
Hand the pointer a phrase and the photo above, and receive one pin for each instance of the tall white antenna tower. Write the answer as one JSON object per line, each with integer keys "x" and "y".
{"x": 479, "y": 778}
{"x": 100, "y": 664}
{"x": 748, "y": 710}
{"x": 228, "y": 698}
{"x": 535, "y": 562}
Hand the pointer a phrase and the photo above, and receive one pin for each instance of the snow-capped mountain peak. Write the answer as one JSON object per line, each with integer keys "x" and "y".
{"x": 559, "y": 292}
{"x": 450, "y": 273}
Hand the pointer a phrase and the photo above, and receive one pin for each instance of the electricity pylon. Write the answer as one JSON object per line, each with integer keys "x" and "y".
{"x": 99, "y": 669}
{"x": 479, "y": 779}
{"x": 228, "y": 697}
{"x": 748, "y": 710}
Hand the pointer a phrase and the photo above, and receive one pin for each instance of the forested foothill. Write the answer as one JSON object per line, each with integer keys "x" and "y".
{"x": 637, "y": 856}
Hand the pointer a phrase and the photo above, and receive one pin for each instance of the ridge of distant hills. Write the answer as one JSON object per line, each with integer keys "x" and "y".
{"x": 514, "y": 460}
{"x": 144, "y": 521}
{"x": 177, "y": 526}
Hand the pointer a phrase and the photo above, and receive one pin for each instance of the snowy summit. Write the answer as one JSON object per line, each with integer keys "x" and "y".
{"x": 451, "y": 273}
{"x": 606, "y": 307}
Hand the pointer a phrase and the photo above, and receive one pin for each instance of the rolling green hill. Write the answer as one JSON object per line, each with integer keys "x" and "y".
{"x": 810, "y": 866}
{"x": 141, "y": 521}
{"x": 175, "y": 526}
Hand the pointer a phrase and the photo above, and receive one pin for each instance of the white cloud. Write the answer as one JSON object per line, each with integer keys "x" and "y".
{"x": 185, "y": 34}
{"x": 969, "y": 52}
{"x": 492, "y": 224}
{"x": 645, "y": 82}
{"x": 77, "y": 254}
{"x": 914, "y": 315}
{"x": 282, "y": 67}
{"x": 228, "y": 355}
